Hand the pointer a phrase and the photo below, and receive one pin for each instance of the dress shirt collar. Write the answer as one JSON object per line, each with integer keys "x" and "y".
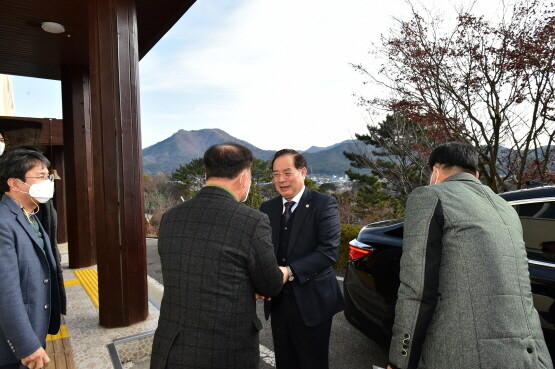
{"x": 297, "y": 198}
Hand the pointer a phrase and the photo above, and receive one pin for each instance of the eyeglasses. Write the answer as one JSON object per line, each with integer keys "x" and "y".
{"x": 45, "y": 177}
{"x": 286, "y": 173}
{"x": 2, "y": 139}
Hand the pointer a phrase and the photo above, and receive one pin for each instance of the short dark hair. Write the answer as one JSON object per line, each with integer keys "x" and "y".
{"x": 298, "y": 159}
{"x": 24, "y": 147}
{"x": 453, "y": 154}
{"x": 16, "y": 163}
{"x": 226, "y": 160}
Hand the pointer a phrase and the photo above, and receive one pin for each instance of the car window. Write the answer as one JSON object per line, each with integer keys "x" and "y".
{"x": 538, "y": 225}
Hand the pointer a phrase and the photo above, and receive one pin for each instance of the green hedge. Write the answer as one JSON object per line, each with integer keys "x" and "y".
{"x": 348, "y": 233}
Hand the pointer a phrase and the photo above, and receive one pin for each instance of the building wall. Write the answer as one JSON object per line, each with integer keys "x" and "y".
{"x": 7, "y": 105}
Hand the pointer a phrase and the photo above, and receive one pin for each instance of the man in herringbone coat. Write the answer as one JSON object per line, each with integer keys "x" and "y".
{"x": 216, "y": 254}
{"x": 465, "y": 299}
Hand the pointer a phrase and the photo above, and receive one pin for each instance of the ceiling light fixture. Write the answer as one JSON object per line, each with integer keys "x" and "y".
{"x": 53, "y": 27}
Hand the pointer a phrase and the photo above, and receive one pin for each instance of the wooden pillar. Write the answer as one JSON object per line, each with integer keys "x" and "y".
{"x": 60, "y": 193}
{"x": 118, "y": 183}
{"x": 78, "y": 176}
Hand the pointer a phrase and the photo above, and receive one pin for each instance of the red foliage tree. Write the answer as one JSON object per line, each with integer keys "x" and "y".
{"x": 486, "y": 83}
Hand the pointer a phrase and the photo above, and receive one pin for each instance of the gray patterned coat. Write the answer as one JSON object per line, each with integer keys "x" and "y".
{"x": 465, "y": 298}
{"x": 216, "y": 253}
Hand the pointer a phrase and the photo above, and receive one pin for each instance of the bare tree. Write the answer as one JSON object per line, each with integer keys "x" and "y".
{"x": 485, "y": 83}
{"x": 160, "y": 193}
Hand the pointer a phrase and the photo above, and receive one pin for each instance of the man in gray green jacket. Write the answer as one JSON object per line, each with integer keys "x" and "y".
{"x": 464, "y": 299}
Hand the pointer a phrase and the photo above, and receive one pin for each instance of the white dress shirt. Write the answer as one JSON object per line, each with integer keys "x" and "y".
{"x": 297, "y": 198}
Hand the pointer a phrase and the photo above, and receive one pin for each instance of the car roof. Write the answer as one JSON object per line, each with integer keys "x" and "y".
{"x": 380, "y": 232}
{"x": 524, "y": 194}
{"x": 530, "y": 193}
{"x": 384, "y": 223}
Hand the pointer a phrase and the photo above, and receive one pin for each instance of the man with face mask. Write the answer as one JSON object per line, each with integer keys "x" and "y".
{"x": 48, "y": 217}
{"x": 2, "y": 144}
{"x": 465, "y": 299}
{"x": 216, "y": 254}
{"x": 29, "y": 293}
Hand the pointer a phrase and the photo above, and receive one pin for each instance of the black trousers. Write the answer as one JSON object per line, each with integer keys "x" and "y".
{"x": 296, "y": 345}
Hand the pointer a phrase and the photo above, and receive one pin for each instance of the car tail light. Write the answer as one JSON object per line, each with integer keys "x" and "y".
{"x": 358, "y": 249}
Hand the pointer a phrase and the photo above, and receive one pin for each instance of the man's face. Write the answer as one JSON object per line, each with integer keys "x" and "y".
{"x": 37, "y": 174}
{"x": 288, "y": 180}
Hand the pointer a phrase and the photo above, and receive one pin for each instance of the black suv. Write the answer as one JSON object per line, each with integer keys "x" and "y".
{"x": 372, "y": 278}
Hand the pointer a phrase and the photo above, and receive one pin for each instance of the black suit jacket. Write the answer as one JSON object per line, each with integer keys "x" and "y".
{"x": 311, "y": 253}
{"x": 49, "y": 219}
{"x": 216, "y": 253}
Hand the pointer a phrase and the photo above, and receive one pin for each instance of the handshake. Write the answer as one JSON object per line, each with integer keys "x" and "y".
{"x": 285, "y": 272}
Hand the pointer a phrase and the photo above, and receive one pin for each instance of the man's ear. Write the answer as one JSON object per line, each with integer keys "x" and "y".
{"x": 13, "y": 183}
{"x": 241, "y": 177}
{"x": 303, "y": 171}
{"x": 477, "y": 174}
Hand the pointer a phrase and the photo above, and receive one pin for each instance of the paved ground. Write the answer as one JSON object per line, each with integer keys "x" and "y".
{"x": 349, "y": 349}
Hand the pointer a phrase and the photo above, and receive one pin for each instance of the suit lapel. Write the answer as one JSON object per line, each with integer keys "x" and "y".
{"x": 47, "y": 246}
{"x": 300, "y": 215}
{"x": 276, "y": 209}
{"x": 22, "y": 220}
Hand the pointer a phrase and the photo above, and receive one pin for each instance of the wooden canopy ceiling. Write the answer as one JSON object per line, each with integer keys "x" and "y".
{"x": 27, "y": 50}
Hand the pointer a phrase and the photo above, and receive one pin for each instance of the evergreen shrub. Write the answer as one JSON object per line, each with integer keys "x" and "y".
{"x": 348, "y": 233}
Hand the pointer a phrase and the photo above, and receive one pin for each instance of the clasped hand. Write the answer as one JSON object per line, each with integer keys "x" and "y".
{"x": 37, "y": 360}
{"x": 285, "y": 273}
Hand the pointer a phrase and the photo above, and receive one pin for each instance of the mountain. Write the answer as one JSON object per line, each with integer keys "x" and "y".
{"x": 183, "y": 146}
{"x": 330, "y": 160}
{"x": 315, "y": 149}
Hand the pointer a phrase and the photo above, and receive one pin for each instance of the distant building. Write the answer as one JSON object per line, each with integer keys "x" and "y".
{"x": 7, "y": 106}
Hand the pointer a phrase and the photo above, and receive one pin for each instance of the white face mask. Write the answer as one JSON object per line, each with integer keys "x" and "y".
{"x": 247, "y": 191}
{"x": 432, "y": 182}
{"x": 42, "y": 192}
{"x": 2, "y": 147}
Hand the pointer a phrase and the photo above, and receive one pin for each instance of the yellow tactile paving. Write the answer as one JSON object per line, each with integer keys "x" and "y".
{"x": 63, "y": 333}
{"x": 89, "y": 280}
{"x": 72, "y": 282}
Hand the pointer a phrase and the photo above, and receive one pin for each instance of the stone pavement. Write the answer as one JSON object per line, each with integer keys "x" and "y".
{"x": 93, "y": 346}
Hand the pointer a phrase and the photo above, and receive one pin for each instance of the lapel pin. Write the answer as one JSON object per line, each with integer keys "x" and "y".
{"x": 307, "y": 206}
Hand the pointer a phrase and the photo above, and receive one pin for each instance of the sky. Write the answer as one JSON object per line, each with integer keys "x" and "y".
{"x": 275, "y": 73}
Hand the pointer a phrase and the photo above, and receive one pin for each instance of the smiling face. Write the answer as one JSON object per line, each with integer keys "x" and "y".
{"x": 289, "y": 181}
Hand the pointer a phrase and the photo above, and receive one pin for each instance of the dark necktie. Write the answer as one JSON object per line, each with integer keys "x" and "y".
{"x": 287, "y": 213}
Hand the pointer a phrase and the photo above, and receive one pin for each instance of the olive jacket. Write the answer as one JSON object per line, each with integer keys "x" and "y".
{"x": 465, "y": 299}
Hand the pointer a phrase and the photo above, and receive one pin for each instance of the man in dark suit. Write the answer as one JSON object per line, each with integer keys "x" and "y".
{"x": 29, "y": 294}
{"x": 305, "y": 234}
{"x": 216, "y": 254}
